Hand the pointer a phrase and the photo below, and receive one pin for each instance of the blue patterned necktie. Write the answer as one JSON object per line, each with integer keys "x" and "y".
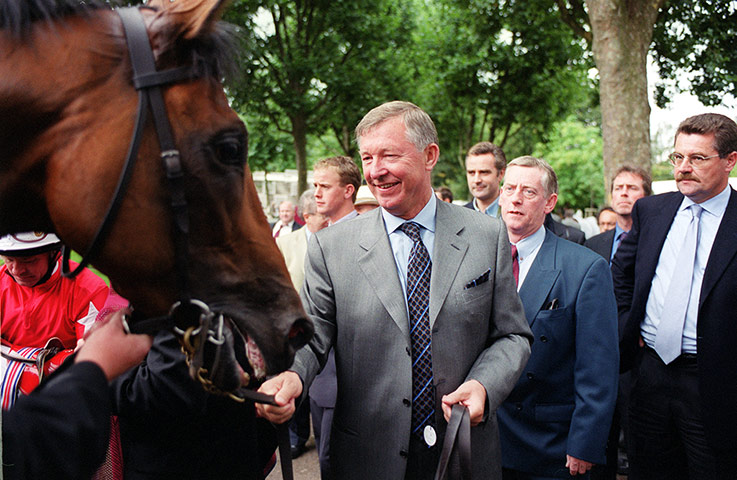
{"x": 670, "y": 330}
{"x": 419, "y": 268}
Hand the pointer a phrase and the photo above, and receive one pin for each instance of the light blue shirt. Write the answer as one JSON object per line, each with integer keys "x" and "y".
{"x": 710, "y": 219}
{"x": 401, "y": 243}
{"x": 527, "y": 249}
{"x": 618, "y": 231}
{"x": 353, "y": 214}
{"x": 492, "y": 210}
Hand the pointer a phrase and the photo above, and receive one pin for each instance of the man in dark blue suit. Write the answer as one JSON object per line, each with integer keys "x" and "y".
{"x": 678, "y": 316}
{"x": 555, "y": 422}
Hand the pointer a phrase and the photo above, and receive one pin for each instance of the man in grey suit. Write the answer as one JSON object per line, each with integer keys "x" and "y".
{"x": 354, "y": 292}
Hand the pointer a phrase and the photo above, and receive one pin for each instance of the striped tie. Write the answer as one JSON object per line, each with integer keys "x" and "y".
{"x": 418, "y": 301}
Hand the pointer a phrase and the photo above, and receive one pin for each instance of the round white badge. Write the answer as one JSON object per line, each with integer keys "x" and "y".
{"x": 430, "y": 436}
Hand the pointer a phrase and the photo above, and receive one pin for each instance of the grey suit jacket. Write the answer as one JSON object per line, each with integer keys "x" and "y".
{"x": 353, "y": 294}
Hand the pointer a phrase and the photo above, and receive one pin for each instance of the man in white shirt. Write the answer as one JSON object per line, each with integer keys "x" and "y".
{"x": 336, "y": 181}
{"x": 286, "y": 222}
{"x": 485, "y": 164}
{"x": 674, "y": 277}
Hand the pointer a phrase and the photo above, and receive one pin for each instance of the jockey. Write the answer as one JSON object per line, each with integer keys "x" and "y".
{"x": 36, "y": 302}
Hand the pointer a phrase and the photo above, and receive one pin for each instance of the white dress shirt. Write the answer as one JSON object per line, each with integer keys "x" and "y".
{"x": 710, "y": 219}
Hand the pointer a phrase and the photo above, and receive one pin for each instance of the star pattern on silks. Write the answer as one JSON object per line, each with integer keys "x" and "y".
{"x": 419, "y": 269}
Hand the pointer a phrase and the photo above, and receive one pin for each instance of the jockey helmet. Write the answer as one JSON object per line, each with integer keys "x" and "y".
{"x": 28, "y": 243}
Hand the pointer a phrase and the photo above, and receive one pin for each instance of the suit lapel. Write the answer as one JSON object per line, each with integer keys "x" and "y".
{"x": 378, "y": 264}
{"x": 448, "y": 252}
{"x": 724, "y": 248}
{"x": 540, "y": 278}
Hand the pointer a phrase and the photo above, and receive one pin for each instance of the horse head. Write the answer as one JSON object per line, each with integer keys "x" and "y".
{"x": 67, "y": 114}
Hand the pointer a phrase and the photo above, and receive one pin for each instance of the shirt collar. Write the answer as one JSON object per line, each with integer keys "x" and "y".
{"x": 530, "y": 243}
{"x": 715, "y": 205}
{"x": 354, "y": 213}
{"x": 426, "y": 217}
{"x": 618, "y": 231}
{"x": 492, "y": 209}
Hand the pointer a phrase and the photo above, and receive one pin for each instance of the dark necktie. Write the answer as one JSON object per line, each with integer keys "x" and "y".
{"x": 419, "y": 268}
{"x": 515, "y": 264}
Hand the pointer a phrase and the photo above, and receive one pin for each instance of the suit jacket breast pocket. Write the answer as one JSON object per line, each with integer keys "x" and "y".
{"x": 554, "y": 315}
{"x": 468, "y": 295}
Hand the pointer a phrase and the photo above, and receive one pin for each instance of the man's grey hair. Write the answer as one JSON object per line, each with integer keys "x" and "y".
{"x": 307, "y": 204}
{"x": 419, "y": 126}
{"x": 549, "y": 179}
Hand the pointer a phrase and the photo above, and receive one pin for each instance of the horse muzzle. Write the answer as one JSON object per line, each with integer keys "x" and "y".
{"x": 224, "y": 358}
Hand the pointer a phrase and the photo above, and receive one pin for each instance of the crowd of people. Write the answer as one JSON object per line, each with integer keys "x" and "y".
{"x": 575, "y": 357}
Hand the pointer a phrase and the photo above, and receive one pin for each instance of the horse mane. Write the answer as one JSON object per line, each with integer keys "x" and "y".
{"x": 211, "y": 55}
{"x": 215, "y": 54}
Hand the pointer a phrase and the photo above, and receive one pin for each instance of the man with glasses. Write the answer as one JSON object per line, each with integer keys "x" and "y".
{"x": 674, "y": 277}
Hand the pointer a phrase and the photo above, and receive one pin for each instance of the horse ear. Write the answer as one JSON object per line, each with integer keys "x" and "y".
{"x": 191, "y": 18}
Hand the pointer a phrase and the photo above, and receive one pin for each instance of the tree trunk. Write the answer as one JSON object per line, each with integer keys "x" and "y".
{"x": 622, "y": 32}
{"x": 299, "y": 136}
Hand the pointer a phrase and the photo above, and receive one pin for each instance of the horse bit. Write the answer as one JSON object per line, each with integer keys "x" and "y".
{"x": 191, "y": 320}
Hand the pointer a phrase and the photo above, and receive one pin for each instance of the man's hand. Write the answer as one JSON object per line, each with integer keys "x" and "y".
{"x": 286, "y": 387}
{"x": 114, "y": 351}
{"x": 472, "y": 395}
{"x": 576, "y": 466}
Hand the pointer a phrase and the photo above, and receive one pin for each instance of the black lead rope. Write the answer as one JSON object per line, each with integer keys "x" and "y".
{"x": 458, "y": 442}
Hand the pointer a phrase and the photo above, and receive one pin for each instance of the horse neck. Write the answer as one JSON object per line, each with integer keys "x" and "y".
{"x": 51, "y": 84}
{"x": 50, "y": 71}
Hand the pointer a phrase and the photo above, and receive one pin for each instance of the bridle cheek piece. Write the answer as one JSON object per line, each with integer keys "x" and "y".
{"x": 192, "y": 321}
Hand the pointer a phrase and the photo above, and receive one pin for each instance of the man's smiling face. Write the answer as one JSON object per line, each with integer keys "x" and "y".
{"x": 397, "y": 173}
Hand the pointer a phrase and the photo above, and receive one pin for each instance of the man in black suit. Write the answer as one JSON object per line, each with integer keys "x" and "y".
{"x": 629, "y": 184}
{"x": 674, "y": 277}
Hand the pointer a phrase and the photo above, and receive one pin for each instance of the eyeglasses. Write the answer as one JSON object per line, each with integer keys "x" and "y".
{"x": 695, "y": 160}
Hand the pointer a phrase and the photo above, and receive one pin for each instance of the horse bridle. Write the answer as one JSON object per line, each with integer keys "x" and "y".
{"x": 194, "y": 323}
{"x": 192, "y": 320}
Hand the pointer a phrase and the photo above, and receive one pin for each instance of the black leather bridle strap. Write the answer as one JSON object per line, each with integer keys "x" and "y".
{"x": 148, "y": 82}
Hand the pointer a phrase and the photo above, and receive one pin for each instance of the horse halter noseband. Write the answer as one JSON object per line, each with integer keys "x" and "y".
{"x": 192, "y": 321}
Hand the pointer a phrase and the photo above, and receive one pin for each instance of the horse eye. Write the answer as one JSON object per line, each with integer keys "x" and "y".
{"x": 229, "y": 150}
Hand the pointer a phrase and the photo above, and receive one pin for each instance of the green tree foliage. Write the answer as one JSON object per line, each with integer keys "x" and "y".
{"x": 699, "y": 38}
{"x": 308, "y": 64}
{"x": 498, "y": 71}
{"x": 574, "y": 150}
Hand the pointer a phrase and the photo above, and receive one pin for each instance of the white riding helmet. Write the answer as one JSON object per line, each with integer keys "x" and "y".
{"x": 28, "y": 243}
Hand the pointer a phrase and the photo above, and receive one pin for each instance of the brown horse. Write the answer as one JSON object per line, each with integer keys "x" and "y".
{"x": 67, "y": 113}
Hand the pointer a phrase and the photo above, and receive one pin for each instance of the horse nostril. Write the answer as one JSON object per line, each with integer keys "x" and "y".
{"x": 300, "y": 333}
